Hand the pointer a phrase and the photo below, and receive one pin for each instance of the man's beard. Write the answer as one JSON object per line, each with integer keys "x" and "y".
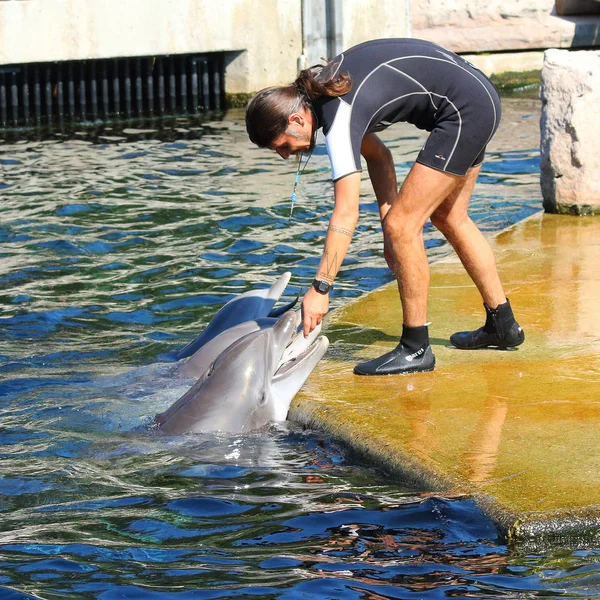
{"x": 309, "y": 139}
{"x": 312, "y": 142}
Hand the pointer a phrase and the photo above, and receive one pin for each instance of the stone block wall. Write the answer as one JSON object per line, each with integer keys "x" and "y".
{"x": 570, "y": 132}
{"x": 500, "y": 25}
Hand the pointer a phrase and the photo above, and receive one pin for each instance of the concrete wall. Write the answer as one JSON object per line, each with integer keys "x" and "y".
{"x": 264, "y": 37}
{"x": 370, "y": 19}
{"x": 269, "y": 31}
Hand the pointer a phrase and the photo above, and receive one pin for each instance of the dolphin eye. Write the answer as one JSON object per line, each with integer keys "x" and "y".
{"x": 263, "y": 399}
{"x": 211, "y": 369}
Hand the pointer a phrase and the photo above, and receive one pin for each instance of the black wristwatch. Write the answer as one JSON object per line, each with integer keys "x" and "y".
{"x": 322, "y": 286}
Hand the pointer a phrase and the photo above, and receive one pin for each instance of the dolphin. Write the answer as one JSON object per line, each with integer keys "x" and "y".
{"x": 248, "y": 385}
{"x": 197, "y": 363}
{"x": 248, "y": 306}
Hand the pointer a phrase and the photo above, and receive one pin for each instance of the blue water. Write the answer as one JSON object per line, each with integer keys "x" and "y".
{"x": 116, "y": 247}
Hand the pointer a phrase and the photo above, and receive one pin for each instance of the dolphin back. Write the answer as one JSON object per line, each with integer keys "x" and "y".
{"x": 201, "y": 360}
{"x": 236, "y": 311}
{"x": 251, "y": 305}
{"x": 281, "y": 310}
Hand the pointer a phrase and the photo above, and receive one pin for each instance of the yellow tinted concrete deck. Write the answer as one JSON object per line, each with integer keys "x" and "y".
{"x": 520, "y": 429}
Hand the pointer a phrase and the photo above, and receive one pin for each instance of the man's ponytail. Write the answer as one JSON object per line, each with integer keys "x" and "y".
{"x": 318, "y": 81}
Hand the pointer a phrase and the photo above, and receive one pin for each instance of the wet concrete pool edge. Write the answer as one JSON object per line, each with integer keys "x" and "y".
{"x": 516, "y": 430}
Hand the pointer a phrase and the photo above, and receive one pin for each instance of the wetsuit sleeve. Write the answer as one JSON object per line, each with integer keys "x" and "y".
{"x": 343, "y": 144}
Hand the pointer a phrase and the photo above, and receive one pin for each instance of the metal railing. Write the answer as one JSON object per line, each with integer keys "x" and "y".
{"x": 103, "y": 90}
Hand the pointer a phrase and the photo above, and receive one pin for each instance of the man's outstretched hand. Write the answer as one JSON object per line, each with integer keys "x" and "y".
{"x": 314, "y": 308}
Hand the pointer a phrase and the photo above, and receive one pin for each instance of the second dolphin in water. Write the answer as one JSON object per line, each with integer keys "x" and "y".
{"x": 249, "y": 306}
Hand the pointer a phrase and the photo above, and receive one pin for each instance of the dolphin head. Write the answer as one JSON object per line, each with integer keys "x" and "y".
{"x": 300, "y": 358}
{"x": 246, "y": 386}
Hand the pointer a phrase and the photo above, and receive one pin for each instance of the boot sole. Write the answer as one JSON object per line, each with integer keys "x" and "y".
{"x": 492, "y": 345}
{"x": 482, "y": 346}
{"x": 398, "y": 373}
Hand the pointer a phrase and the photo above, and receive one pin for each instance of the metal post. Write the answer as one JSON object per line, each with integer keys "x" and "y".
{"x": 116, "y": 88}
{"x": 315, "y": 30}
{"x": 194, "y": 83}
{"x": 71, "y": 92}
{"x": 94, "y": 90}
{"x": 25, "y": 94}
{"x": 14, "y": 99}
{"x": 138, "y": 87}
{"x": 37, "y": 96}
{"x": 217, "y": 85}
{"x": 3, "y": 108}
{"x": 150, "y": 87}
{"x": 127, "y": 86}
{"x": 161, "y": 86}
{"x": 82, "y": 95}
{"x": 205, "y": 92}
{"x": 183, "y": 85}
{"x": 335, "y": 33}
{"x": 60, "y": 93}
{"x": 48, "y": 90}
{"x": 172, "y": 86}
{"x": 104, "y": 86}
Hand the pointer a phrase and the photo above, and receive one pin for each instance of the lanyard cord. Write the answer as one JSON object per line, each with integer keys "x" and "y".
{"x": 298, "y": 171}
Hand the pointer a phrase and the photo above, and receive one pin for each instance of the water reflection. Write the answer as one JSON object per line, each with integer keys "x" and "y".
{"x": 482, "y": 447}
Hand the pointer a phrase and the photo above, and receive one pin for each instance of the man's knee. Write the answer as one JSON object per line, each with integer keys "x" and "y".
{"x": 439, "y": 219}
{"x": 399, "y": 227}
{"x": 448, "y": 223}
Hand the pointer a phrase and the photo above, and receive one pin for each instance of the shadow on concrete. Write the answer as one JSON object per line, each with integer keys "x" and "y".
{"x": 361, "y": 336}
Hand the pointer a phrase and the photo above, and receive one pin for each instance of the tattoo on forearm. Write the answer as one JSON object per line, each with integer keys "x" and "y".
{"x": 323, "y": 276}
{"x": 330, "y": 266}
{"x": 340, "y": 230}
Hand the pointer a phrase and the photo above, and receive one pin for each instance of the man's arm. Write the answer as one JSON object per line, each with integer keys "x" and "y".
{"x": 381, "y": 171}
{"x": 383, "y": 177}
{"x": 339, "y": 235}
{"x": 341, "y": 226}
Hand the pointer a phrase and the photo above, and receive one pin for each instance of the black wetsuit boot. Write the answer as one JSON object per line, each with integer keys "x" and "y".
{"x": 413, "y": 354}
{"x": 500, "y": 331}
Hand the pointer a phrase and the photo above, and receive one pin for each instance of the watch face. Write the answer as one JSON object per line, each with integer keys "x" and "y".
{"x": 321, "y": 286}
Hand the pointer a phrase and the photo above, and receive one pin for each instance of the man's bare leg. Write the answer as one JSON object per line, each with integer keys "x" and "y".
{"x": 501, "y": 329}
{"x": 423, "y": 190}
{"x": 474, "y": 251}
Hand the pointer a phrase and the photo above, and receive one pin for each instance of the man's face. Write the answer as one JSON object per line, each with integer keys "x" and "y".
{"x": 297, "y": 138}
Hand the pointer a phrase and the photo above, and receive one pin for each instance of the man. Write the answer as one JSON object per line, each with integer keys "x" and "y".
{"x": 361, "y": 91}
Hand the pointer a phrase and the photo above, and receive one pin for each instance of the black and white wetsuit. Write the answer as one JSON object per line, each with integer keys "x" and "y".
{"x": 405, "y": 79}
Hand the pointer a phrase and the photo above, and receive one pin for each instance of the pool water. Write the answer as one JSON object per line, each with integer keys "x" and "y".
{"x": 117, "y": 246}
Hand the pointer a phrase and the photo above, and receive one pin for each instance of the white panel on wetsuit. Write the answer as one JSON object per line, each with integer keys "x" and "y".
{"x": 339, "y": 144}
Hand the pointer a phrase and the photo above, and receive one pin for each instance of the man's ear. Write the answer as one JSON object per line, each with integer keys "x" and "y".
{"x": 296, "y": 119}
